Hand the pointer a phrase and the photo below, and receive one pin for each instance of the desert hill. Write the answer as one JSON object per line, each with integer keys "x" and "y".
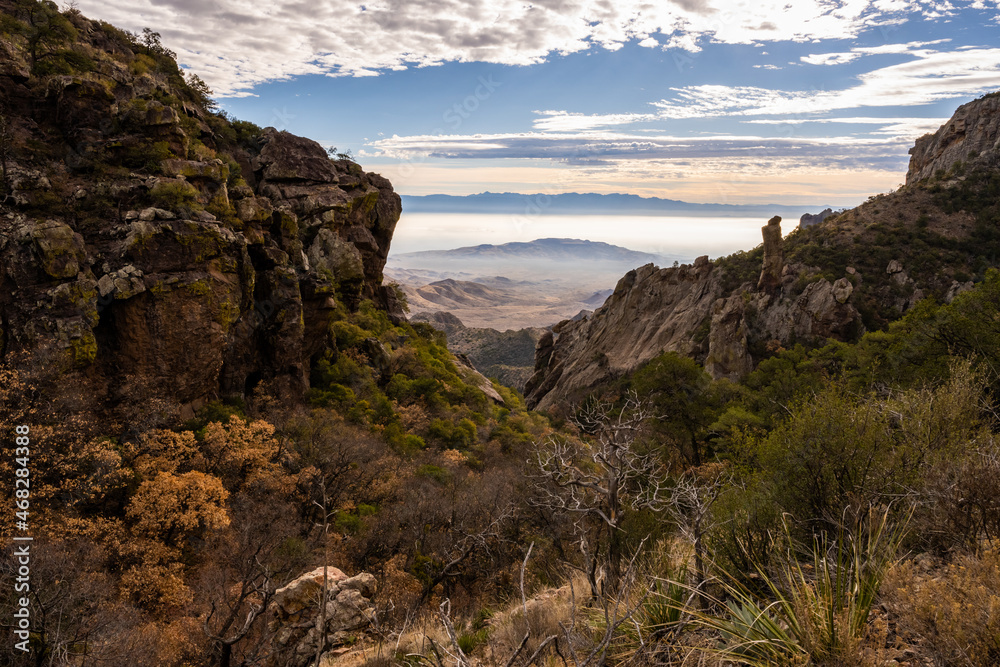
{"x": 513, "y": 285}
{"x": 547, "y": 249}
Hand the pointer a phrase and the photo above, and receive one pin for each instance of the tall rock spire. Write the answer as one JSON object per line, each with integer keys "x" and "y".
{"x": 774, "y": 258}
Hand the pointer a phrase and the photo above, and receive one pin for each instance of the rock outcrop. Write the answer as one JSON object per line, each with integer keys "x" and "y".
{"x": 774, "y": 258}
{"x": 688, "y": 310}
{"x": 295, "y": 615}
{"x": 149, "y": 239}
{"x": 650, "y": 311}
{"x": 972, "y": 135}
{"x": 809, "y": 219}
{"x": 695, "y": 311}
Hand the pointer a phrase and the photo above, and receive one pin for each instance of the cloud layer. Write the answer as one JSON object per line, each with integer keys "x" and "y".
{"x": 236, "y": 44}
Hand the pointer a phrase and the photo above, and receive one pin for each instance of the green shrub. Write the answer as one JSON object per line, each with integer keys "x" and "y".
{"x": 453, "y": 436}
{"x": 11, "y": 26}
{"x": 176, "y": 196}
{"x": 64, "y": 62}
{"x": 437, "y": 473}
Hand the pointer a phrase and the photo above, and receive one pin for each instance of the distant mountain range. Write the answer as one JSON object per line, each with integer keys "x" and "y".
{"x": 575, "y": 203}
{"x": 539, "y": 249}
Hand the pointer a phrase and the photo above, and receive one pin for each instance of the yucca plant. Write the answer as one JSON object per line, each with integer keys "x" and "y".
{"x": 657, "y": 618}
{"x": 817, "y": 607}
{"x": 661, "y": 611}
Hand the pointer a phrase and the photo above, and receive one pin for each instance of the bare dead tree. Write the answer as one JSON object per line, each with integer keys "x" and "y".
{"x": 465, "y": 548}
{"x": 244, "y": 569}
{"x": 600, "y": 482}
{"x": 238, "y": 613}
{"x": 444, "y": 612}
{"x": 690, "y": 506}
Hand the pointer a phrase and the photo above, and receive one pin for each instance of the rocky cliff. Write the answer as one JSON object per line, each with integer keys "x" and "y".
{"x": 850, "y": 271}
{"x": 971, "y": 136}
{"x": 144, "y": 235}
{"x": 688, "y": 310}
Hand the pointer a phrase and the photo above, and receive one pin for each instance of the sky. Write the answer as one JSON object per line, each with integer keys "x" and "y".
{"x": 783, "y": 101}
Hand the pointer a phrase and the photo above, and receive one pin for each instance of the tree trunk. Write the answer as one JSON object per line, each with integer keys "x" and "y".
{"x": 699, "y": 563}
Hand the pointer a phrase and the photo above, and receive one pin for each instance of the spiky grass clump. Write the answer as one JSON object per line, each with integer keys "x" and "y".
{"x": 816, "y": 608}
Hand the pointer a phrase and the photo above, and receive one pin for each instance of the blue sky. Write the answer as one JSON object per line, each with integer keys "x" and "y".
{"x": 790, "y": 101}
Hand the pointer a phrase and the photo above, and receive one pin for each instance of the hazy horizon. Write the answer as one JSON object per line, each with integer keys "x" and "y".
{"x": 673, "y": 237}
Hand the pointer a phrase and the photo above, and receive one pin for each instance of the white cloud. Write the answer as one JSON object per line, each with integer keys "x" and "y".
{"x": 855, "y": 53}
{"x": 829, "y": 58}
{"x": 896, "y": 128}
{"x": 235, "y": 44}
{"x": 931, "y": 77}
{"x": 564, "y": 121}
{"x": 609, "y": 149}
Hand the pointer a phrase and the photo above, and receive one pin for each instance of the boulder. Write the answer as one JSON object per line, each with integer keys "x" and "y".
{"x": 842, "y": 290}
{"x": 61, "y": 251}
{"x": 287, "y": 157}
{"x": 957, "y": 288}
{"x": 295, "y": 614}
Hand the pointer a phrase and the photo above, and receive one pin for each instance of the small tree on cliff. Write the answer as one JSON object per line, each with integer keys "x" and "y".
{"x": 47, "y": 28}
{"x": 151, "y": 40}
{"x": 600, "y": 483}
{"x": 685, "y": 399}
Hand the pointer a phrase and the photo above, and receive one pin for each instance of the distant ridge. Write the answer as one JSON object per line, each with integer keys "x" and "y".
{"x": 576, "y": 203}
{"x": 544, "y": 249}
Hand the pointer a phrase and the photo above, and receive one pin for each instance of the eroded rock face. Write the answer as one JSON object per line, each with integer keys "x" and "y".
{"x": 728, "y": 352}
{"x": 201, "y": 307}
{"x": 972, "y": 134}
{"x": 651, "y": 310}
{"x": 295, "y": 614}
{"x": 685, "y": 310}
{"x": 810, "y": 220}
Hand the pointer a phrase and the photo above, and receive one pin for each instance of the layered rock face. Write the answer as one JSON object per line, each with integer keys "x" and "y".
{"x": 687, "y": 310}
{"x": 201, "y": 270}
{"x": 971, "y": 135}
{"x": 651, "y": 310}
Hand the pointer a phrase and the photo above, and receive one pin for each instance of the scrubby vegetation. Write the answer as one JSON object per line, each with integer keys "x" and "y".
{"x": 837, "y": 506}
{"x": 819, "y": 512}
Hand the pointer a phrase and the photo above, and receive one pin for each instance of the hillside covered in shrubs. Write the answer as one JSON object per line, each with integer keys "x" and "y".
{"x": 241, "y": 452}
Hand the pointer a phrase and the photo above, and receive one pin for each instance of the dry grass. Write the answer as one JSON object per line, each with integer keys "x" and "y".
{"x": 950, "y": 613}
{"x": 545, "y": 611}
